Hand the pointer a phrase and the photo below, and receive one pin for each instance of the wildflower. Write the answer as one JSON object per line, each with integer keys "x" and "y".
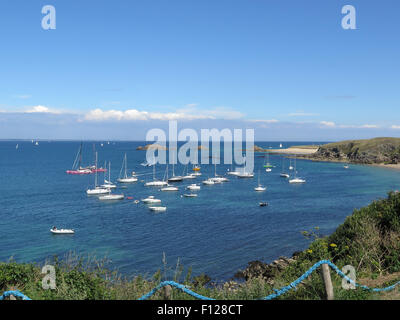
{"x": 333, "y": 245}
{"x": 309, "y": 251}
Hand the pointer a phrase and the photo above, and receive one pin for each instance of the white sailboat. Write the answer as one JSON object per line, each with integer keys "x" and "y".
{"x": 188, "y": 175}
{"x": 290, "y": 164}
{"x": 125, "y": 178}
{"x": 97, "y": 189}
{"x": 259, "y": 187}
{"x": 218, "y": 179}
{"x": 283, "y": 173}
{"x": 174, "y": 178}
{"x": 155, "y": 182}
{"x": 108, "y": 183}
{"x": 296, "y": 179}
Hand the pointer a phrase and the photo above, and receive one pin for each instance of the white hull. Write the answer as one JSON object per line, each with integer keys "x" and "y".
{"x": 284, "y": 175}
{"x": 155, "y": 184}
{"x": 112, "y": 197}
{"x": 297, "y": 180}
{"x": 193, "y": 187}
{"x": 62, "y": 231}
{"x": 127, "y": 180}
{"x": 190, "y": 195}
{"x": 97, "y": 191}
{"x": 175, "y": 179}
{"x": 109, "y": 186}
{"x": 246, "y": 175}
{"x": 151, "y": 200}
{"x": 260, "y": 189}
{"x": 208, "y": 182}
{"x": 169, "y": 189}
{"x": 191, "y": 176}
{"x": 158, "y": 209}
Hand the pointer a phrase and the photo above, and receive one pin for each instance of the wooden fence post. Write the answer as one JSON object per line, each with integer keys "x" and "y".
{"x": 326, "y": 275}
{"x": 167, "y": 292}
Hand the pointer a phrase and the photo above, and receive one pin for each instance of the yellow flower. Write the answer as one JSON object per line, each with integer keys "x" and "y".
{"x": 333, "y": 245}
{"x": 309, "y": 251}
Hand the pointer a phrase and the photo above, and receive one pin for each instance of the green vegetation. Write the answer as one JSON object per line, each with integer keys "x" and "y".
{"x": 370, "y": 151}
{"x": 369, "y": 240}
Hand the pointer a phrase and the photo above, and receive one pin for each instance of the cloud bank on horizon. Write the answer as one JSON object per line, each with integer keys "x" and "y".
{"x": 42, "y": 122}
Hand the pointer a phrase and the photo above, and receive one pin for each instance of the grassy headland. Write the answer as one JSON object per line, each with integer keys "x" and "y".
{"x": 369, "y": 240}
{"x": 369, "y": 151}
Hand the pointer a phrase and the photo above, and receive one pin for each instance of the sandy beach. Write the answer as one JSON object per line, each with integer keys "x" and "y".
{"x": 295, "y": 150}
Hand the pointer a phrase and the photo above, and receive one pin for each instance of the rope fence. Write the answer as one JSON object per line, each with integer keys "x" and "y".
{"x": 278, "y": 292}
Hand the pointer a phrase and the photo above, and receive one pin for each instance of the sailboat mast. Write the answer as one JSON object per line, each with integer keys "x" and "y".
{"x": 95, "y": 176}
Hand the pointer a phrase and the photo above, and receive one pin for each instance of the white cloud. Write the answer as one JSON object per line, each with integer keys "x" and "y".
{"x": 328, "y": 124}
{"x": 395, "y": 127}
{"x": 41, "y": 109}
{"x": 190, "y": 112}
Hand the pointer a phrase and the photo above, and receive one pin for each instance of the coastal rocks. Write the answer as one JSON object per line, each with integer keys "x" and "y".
{"x": 374, "y": 151}
{"x": 151, "y": 147}
{"x": 267, "y": 272}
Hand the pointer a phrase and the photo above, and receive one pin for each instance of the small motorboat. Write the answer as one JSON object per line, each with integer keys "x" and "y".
{"x": 284, "y": 175}
{"x": 190, "y": 195}
{"x": 151, "y": 199}
{"x": 193, "y": 187}
{"x": 54, "y": 230}
{"x": 158, "y": 209}
{"x": 263, "y": 204}
{"x": 346, "y": 166}
{"x": 208, "y": 182}
{"x": 268, "y": 170}
{"x": 260, "y": 188}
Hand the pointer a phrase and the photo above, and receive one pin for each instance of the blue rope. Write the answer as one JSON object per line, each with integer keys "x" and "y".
{"x": 279, "y": 292}
{"x": 16, "y": 294}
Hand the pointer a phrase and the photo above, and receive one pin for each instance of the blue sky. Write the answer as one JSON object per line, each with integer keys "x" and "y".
{"x": 114, "y": 69}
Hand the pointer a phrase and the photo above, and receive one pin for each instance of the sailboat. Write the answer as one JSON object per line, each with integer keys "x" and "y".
{"x": 187, "y": 175}
{"x": 283, "y": 173}
{"x": 108, "y": 183}
{"x": 290, "y": 164}
{"x": 267, "y": 164}
{"x": 174, "y": 178}
{"x": 259, "y": 187}
{"x": 97, "y": 189}
{"x": 124, "y": 178}
{"x": 155, "y": 182}
{"x": 296, "y": 179}
{"x": 218, "y": 179}
{"x": 16, "y": 147}
{"x": 169, "y": 187}
{"x": 76, "y": 167}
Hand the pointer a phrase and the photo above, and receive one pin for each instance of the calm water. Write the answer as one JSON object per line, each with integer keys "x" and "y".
{"x": 216, "y": 233}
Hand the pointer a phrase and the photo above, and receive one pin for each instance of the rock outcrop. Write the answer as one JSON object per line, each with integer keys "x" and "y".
{"x": 267, "y": 272}
{"x": 372, "y": 151}
{"x": 151, "y": 146}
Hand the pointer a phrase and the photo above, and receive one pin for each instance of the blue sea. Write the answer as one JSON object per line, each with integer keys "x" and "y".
{"x": 216, "y": 233}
